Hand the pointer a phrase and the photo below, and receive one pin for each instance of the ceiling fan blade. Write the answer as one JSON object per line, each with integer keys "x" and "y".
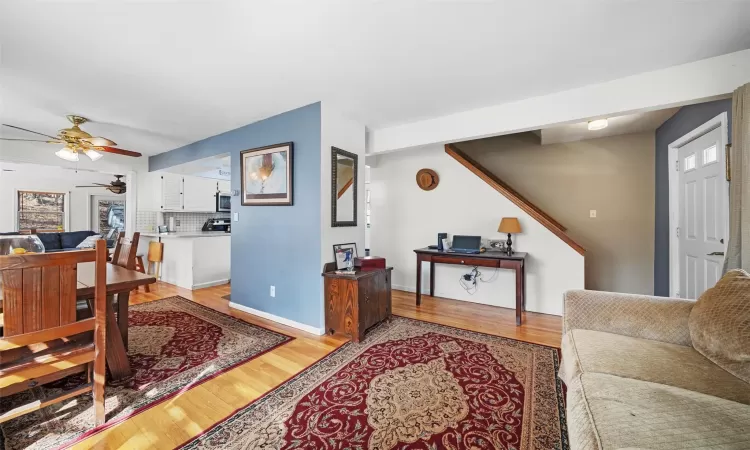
{"x": 99, "y": 141}
{"x": 32, "y": 140}
{"x": 103, "y": 185}
{"x": 35, "y": 132}
{"x": 117, "y": 151}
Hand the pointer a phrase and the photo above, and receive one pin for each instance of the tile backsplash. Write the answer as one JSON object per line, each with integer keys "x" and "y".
{"x": 192, "y": 221}
{"x": 146, "y": 221}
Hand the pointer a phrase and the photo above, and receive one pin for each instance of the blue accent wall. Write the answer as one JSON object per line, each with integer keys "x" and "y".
{"x": 273, "y": 245}
{"x": 687, "y": 119}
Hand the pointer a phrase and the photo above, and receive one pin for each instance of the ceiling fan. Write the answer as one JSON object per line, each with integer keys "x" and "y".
{"x": 76, "y": 141}
{"x": 116, "y": 187}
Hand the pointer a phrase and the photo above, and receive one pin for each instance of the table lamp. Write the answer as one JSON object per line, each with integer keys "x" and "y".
{"x": 509, "y": 225}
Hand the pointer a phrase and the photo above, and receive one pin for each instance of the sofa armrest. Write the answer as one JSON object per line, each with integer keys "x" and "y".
{"x": 657, "y": 318}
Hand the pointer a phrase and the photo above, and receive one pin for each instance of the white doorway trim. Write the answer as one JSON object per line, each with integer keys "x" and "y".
{"x": 674, "y": 203}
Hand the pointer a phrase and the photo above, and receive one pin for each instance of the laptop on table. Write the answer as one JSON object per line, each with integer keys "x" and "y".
{"x": 466, "y": 244}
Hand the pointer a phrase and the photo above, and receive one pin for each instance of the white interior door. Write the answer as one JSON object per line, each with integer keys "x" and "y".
{"x": 703, "y": 212}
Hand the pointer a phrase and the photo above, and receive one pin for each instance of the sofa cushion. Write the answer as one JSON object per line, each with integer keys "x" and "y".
{"x": 720, "y": 323}
{"x": 89, "y": 242}
{"x": 608, "y": 412}
{"x": 72, "y": 238}
{"x": 586, "y": 351}
{"x": 51, "y": 241}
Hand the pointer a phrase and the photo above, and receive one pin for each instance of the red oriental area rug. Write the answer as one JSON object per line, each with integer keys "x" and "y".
{"x": 409, "y": 385}
{"x": 173, "y": 345}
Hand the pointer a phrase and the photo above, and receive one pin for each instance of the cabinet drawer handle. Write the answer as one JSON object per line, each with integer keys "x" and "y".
{"x": 462, "y": 261}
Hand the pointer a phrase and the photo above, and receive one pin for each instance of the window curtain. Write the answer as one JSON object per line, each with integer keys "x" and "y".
{"x": 738, "y": 248}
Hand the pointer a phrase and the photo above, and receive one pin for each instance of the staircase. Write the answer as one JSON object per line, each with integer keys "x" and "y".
{"x": 540, "y": 216}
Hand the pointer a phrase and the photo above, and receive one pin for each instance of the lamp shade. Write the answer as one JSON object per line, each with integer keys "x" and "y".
{"x": 509, "y": 225}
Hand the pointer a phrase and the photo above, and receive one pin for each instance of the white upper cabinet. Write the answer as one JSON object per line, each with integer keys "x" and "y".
{"x": 168, "y": 192}
{"x": 199, "y": 194}
{"x": 224, "y": 186}
{"x": 171, "y": 192}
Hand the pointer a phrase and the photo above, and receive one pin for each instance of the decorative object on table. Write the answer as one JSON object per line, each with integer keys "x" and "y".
{"x": 369, "y": 262}
{"x": 356, "y": 301}
{"x": 344, "y": 167}
{"x": 509, "y": 225}
{"x": 165, "y": 364}
{"x": 427, "y": 179}
{"x": 76, "y": 141}
{"x": 16, "y": 244}
{"x": 344, "y": 255}
{"x": 496, "y": 245}
{"x": 441, "y": 237}
{"x": 408, "y": 384}
{"x": 267, "y": 175}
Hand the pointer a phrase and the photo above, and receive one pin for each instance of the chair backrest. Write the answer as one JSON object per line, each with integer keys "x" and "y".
{"x": 155, "y": 251}
{"x": 39, "y": 295}
{"x": 125, "y": 250}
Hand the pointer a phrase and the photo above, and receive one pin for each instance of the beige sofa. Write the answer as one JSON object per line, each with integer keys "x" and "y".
{"x": 635, "y": 381}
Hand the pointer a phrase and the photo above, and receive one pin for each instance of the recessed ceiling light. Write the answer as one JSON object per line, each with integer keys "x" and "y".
{"x": 598, "y": 124}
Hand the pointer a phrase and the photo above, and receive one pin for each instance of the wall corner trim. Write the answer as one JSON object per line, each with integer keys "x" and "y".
{"x": 278, "y": 319}
{"x": 529, "y": 208}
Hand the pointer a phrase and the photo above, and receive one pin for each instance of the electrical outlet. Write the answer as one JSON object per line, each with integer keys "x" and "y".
{"x": 177, "y": 223}
{"x": 273, "y": 291}
{"x": 236, "y": 217}
{"x": 592, "y": 213}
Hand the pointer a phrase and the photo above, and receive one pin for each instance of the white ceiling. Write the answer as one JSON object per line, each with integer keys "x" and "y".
{"x": 625, "y": 124}
{"x": 159, "y": 75}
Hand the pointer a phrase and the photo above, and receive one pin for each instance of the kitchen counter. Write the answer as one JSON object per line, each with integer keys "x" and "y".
{"x": 191, "y": 261}
{"x": 184, "y": 234}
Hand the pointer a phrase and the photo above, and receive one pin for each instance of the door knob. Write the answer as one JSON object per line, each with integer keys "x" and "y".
{"x": 716, "y": 254}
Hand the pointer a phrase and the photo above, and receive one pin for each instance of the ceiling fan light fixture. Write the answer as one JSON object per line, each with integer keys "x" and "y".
{"x": 93, "y": 154}
{"x": 598, "y": 124}
{"x": 67, "y": 154}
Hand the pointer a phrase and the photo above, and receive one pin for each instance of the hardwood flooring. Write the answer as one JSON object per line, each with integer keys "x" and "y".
{"x": 173, "y": 422}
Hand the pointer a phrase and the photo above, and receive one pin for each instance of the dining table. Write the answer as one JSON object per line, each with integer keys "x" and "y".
{"x": 120, "y": 282}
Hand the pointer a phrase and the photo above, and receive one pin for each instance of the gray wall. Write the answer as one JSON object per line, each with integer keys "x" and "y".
{"x": 687, "y": 119}
{"x": 613, "y": 175}
{"x": 273, "y": 245}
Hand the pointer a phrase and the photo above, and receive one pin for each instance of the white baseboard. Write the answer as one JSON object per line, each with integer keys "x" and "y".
{"x": 278, "y": 319}
{"x": 210, "y": 283}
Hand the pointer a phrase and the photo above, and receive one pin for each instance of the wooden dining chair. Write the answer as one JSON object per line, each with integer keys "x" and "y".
{"x": 41, "y": 340}
{"x": 125, "y": 250}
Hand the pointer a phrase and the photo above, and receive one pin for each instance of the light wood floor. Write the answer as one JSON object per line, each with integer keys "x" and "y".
{"x": 173, "y": 422}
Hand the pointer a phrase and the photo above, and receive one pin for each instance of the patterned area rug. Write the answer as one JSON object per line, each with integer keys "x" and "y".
{"x": 409, "y": 385}
{"x": 173, "y": 345}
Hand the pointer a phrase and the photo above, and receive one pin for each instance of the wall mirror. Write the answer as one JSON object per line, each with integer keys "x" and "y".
{"x": 343, "y": 188}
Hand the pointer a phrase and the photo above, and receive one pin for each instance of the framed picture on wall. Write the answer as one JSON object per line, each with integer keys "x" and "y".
{"x": 266, "y": 175}
{"x": 344, "y": 255}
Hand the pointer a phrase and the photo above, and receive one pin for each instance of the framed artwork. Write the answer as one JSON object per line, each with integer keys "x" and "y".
{"x": 344, "y": 255}
{"x": 267, "y": 175}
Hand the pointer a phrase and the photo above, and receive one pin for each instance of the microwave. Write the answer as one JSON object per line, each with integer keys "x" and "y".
{"x": 223, "y": 202}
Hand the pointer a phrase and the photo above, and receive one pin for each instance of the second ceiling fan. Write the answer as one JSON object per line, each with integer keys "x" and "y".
{"x": 76, "y": 141}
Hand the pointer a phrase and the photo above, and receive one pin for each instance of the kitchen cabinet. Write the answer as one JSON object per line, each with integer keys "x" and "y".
{"x": 224, "y": 186}
{"x": 198, "y": 194}
{"x": 168, "y": 192}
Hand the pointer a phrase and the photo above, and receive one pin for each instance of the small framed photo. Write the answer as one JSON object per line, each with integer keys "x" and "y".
{"x": 267, "y": 175}
{"x": 344, "y": 255}
{"x": 496, "y": 244}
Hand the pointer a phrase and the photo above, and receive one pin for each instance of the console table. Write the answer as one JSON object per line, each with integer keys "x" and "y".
{"x": 499, "y": 260}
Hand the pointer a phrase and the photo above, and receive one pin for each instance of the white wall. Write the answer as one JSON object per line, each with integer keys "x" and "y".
{"x": 53, "y": 179}
{"x": 404, "y": 218}
{"x": 340, "y": 132}
{"x": 674, "y": 86}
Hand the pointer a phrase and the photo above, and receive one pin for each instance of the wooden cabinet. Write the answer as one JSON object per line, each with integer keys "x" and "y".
{"x": 354, "y": 303}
